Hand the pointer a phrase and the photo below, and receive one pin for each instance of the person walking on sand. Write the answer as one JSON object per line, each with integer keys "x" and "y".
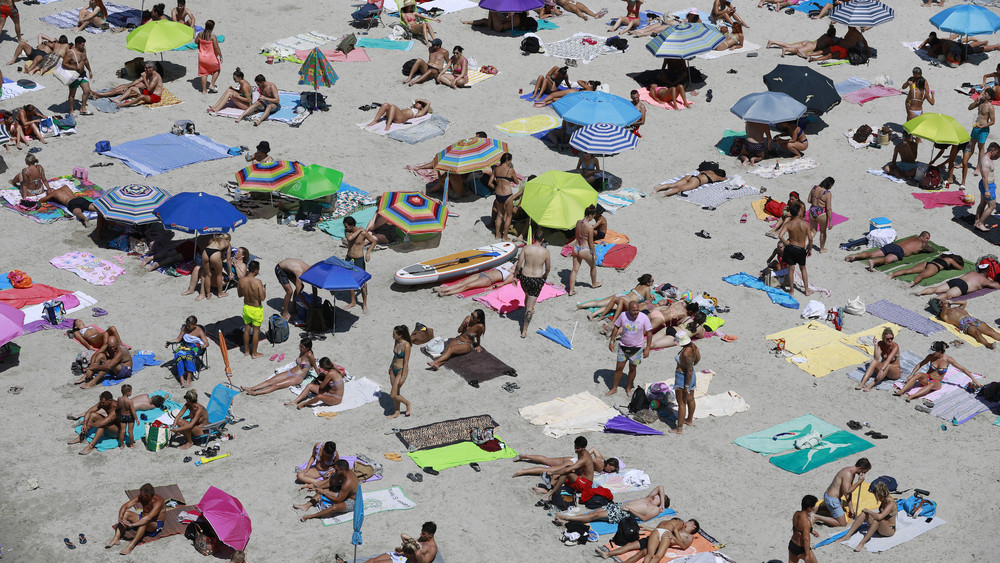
{"x": 77, "y": 62}
{"x": 684, "y": 379}
{"x": 821, "y": 211}
{"x": 798, "y": 239}
{"x": 399, "y": 367}
{"x": 533, "y": 267}
{"x": 209, "y": 57}
{"x": 799, "y": 548}
{"x": 840, "y": 489}
{"x": 636, "y": 334}
{"x": 253, "y": 292}
{"x": 584, "y": 250}
{"x": 9, "y": 10}
{"x": 987, "y": 186}
{"x": 360, "y": 244}
{"x": 289, "y": 273}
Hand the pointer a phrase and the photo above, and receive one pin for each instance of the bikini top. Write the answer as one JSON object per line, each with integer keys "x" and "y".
{"x": 399, "y": 355}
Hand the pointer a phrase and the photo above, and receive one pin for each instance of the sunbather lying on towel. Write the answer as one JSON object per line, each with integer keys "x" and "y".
{"x": 654, "y": 25}
{"x": 708, "y": 173}
{"x": 146, "y": 89}
{"x": 68, "y": 199}
{"x": 962, "y": 285}
{"x": 334, "y": 496}
{"x": 894, "y": 251}
{"x": 393, "y": 114}
{"x": 305, "y": 365}
{"x": 583, "y": 86}
{"x": 669, "y": 94}
{"x": 674, "y": 533}
{"x": 937, "y": 363}
{"x": 496, "y": 277}
{"x": 805, "y": 49}
{"x": 581, "y": 9}
{"x": 470, "y": 334}
{"x": 924, "y": 270}
{"x": 43, "y": 57}
{"x": 556, "y": 466}
{"x": 643, "y": 509}
{"x": 616, "y": 304}
{"x": 956, "y": 315}
{"x": 103, "y": 418}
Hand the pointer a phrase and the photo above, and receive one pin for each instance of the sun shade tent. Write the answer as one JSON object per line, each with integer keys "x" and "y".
{"x": 11, "y": 323}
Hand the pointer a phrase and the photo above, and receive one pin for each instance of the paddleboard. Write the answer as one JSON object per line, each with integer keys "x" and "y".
{"x": 457, "y": 265}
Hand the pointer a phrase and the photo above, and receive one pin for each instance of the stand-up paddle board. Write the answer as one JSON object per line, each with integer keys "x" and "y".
{"x": 457, "y": 265}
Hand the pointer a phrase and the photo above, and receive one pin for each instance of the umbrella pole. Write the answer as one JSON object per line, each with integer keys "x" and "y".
{"x": 574, "y": 335}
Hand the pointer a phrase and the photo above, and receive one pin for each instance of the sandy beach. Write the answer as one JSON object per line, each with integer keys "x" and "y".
{"x": 737, "y": 496}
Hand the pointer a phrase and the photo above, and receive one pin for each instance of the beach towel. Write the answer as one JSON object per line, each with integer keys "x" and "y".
{"x": 511, "y": 297}
{"x": 766, "y": 170}
{"x": 379, "y": 128}
{"x": 463, "y": 453}
{"x": 645, "y": 97}
{"x": 582, "y": 412}
{"x": 865, "y": 95}
{"x": 699, "y": 545}
{"x": 304, "y": 41}
{"x": 444, "y": 433}
{"x": 172, "y": 525}
{"x": 833, "y": 447}
{"x": 477, "y": 366}
{"x": 974, "y": 294}
{"x": 959, "y": 406}
{"x": 941, "y": 199}
{"x": 12, "y": 89}
{"x": 164, "y": 152}
{"x": 139, "y": 429}
{"x": 615, "y": 200}
{"x": 863, "y": 144}
{"x": 617, "y": 256}
{"x": 32, "y": 327}
{"x": 105, "y": 105}
{"x": 291, "y": 112}
{"x": 335, "y": 227}
{"x": 357, "y": 392}
{"x": 167, "y": 98}
{"x": 524, "y": 126}
{"x": 379, "y": 43}
{"x": 604, "y": 528}
{"x": 37, "y": 293}
{"x": 992, "y": 223}
{"x": 37, "y": 311}
{"x": 852, "y": 84}
{"x": 449, "y": 6}
{"x": 475, "y": 76}
{"x": 906, "y": 529}
{"x": 434, "y": 126}
{"x": 542, "y": 25}
{"x": 715, "y": 194}
{"x": 811, "y": 5}
{"x": 574, "y": 48}
{"x": 941, "y": 276}
{"x": 625, "y": 425}
{"x": 747, "y": 47}
{"x": 728, "y": 137}
{"x": 881, "y": 174}
{"x": 88, "y": 267}
{"x": 827, "y": 358}
{"x": 776, "y": 295}
{"x": 904, "y": 317}
{"x": 961, "y": 335}
{"x": 781, "y": 437}
{"x": 806, "y": 337}
{"x": 723, "y": 404}
{"x": 953, "y": 379}
{"x": 118, "y": 16}
{"x": 358, "y": 55}
{"x": 866, "y": 338}
{"x": 50, "y": 212}
{"x": 625, "y": 481}
{"x": 381, "y": 500}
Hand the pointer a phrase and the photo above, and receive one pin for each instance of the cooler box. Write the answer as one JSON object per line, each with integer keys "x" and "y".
{"x": 879, "y": 223}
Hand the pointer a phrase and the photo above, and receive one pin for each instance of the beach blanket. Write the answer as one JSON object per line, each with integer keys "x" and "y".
{"x": 866, "y": 338}
{"x": 164, "y": 152}
{"x": 906, "y": 529}
{"x": 723, "y": 404}
{"x": 444, "y": 433}
{"x": 717, "y": 193}
{"x": 852, "y": 84}
{"x": 301, "y": 42}
{"x": 449, "y": 6}
{"x": 118, "y": 16}
{"x": 960, "y": 406}
{"x": 335, "y": 227}
{"x": 582, "y": 412}
{"x": 357, "y": 392}
{"x": 511, "y": 297}
{"x": 810, "y": 5}
{"x": 881, "y": 174}
{"x": 953, "y": 379}
{"x": 747, "y": 47}
{"x": 51, "y": 211}
{"x": 524, "y": 126}
{"x": 105, "y": 105}
{"x": 604, "y": 528}
{"x": 379, "y": 128}
{"x": 776, "y": 295}
{"x": 11, "y": 89}
{"x": 624, "y": 425}
{"x": 781, "y": 437}
{"x": 833, "y": 447}
{"x": 288, "y": 114}
{"x": 645, "y": 97}
{"x": 34, "y": 295}
{"x": 941, "y": 199}
{"x": 699, "y": 545}
{"x": 574, "y": 48}
{"x": 434, "y": 126}
{"x": 139, "y": 430}
{"x": 827, "y": 358}
{"x": 542, "y": 25}
{"x": 381, "y": 500}
{"x": 477, "y": 366}
{"x": 380, "y": 43}
{"x": 167, "y": 98}
{"x": 865, "y": 95}
{"x": 358, "y": 55}
{"x": 812, "y": 335}
{"x": 904, "y": 317}
{"x": 618, "y": 199}
{"x": 974, "y": 294}
{"x": 82, "y": 301}
{"x": 172, "y": 525}
{"x": 767, "y": 170}
{"x": 863, "y": 144}
{"x": 728, "y": 137}
{"x": 89, "y": 267}
{"x": 625, "y": 481}
{"x": 617, "y": 256}
{"x": 349, "y": 200}
{"x": 463, "y": 453}
{"x": 475, "y": 76}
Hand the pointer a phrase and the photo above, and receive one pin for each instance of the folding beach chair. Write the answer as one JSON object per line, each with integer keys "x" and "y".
{"x": 220, "y": 411}
{"x": 369, "y": 15}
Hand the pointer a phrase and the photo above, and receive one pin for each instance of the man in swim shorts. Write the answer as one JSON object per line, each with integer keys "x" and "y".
{"x": 76, "y": 61}
{"x": 840, "y": 489}
{"x": 956, "y": 315}
{"x": 428, "y": 547}
{"x": 987, "y": 185}
{"x": 636, "y": 334}
{"x": 360, "y": 244}
{"x": 102, "y": 418}
{"x": 533, "y": 267}
{"x": 148, "y": 89}
{"x": 289, "y": 272}
{"x": 798, "y": 239}
{"x": 113, "y": 361}
{"x": 268, "y": 102}
{"x": 424, "y": 71}
{"x": 9, "y": 10}
{"x": 985, "y": 117}
{"x": 66, "y": 197}
{"x": 253, "y": 292}
{"x": 643, "y": 509}
{"x": 147, "y": 523}
{"x": 334, "y": 496}
{"x": 962, "y": 285}
{"x": 894, "y": 251}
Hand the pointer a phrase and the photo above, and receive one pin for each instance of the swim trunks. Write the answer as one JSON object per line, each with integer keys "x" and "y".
{"x": 531, "y": 286}
{"x": 838, "y": 52}
{"x": 631, "y": 353}
{"x": 78, "y": 82}
{"x": 157, "y": 530}
{"x": 968, "y": 322}
{"x": 80, "y": 203}
{"x": 124, "y": 372}
{"x": 253, "y": 316}
{"x": 679, "y": 381}
{"x": 268, "y": 104}
{"x": 284, "y": 277}
{"x": 960, "y": 284}
{"x": 8, "y": 11}
{"x": 893, "y": 249}
{"x": 992, "y": 189}
{"x": 616, "y": 512}
{"x": 794, "y": 255}
{"x": 126, "y": 418}
{"x": 153, "y": 98}
{"x": 979, "y": 134}
{"x": 833, "y": 505}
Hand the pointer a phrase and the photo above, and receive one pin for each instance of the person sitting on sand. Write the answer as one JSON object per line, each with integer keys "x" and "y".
{"x": 844, "y": 483}
{"x": 458, "y": 70}
{"x": 904, "y": 160}
{"x": 147, "y": 89}
{"x": 924, "y": 270}
{"x": 793, "y": 139}
{"x": 94, "y": 14}
{"x": 305, "y": 365}
{"x": 724, "y": 11}
{"x": 66, "y": 197}
{"x": 394, "y": 114}
{"x": 673, "y": 533}
{"x": 181, "y": 14}
{"x": 102, "y": 418}
{"x": 882, "y": 520}
{"x": 239, "y": 95}
{"x": 643, "y": 509}
{"x": 581, "y": 9}
{"x": 895, "y": 251}
{"x": 320, "y": 466}
{"x": 937, "y": 363}
{"x": 112, "y": 359}
{"x": 423, "y": 71}
{"x": 886, "y": 362}
{"x": 799, "y": 548}
{"x": 655, "y": 25}
{"x": 669, "y": 95}
{"x": 31, "y": 180}
{"x": 193, "y": 342}
{"x": 328, "y": 390}
{"x": 616, "y": 304}
{"x": 497, "y": 21}
{"x": 190, "y": 422}
{"x": 144, "y": 402}
{"x": 582, "y": 86}
{"x": 28, "y": 119}
{"x": 734, "y": 37}
{"x": 418, "y": 24}
{"x": 555, "y": 464}
{"x": 334, "y": 496}
{"x": 757, "y": 142}
{"x": 549, "y": 82}
{"x": 956, "y": 315}
{"x": 425, "y": 553}
{"x": 147, "y": 523}
{"x": 470, "y": 335}
{"x": 631, "y": 18}
{"x": 962, "y": 285}
{"x": 268, "y": 102}
{"x": 793, "y": 197}
{"x": 708, "y": 173}
{"x": 493, "y": 278}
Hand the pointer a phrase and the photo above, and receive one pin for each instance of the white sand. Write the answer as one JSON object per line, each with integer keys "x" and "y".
{"x": 737, "y": 495}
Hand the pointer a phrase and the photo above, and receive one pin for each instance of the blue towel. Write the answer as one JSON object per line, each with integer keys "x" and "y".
{"x": 378, "y": 43}
{"x": 604, "y": 528}
{"x": 166, "y": 151}
{"x": 542, "y": 24}
{"x": 139, "y": 430}
{"x": 4, "y": 282}
{"x": 139, "y": 361}
{"x": 777, "y": 296}
{"x": 810, "y": 5}
{"x": 602, "y": 249}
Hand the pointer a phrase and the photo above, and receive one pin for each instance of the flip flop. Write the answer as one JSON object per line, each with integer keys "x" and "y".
{"x": 879, "y": 436}
{"x": 83, "y": 539}
{"x": 703, "y": 234}
{"x": 98, "y": 312}
{"x": 69, "y": 544}
{"x": 431, "y": 471}
{"x": 474, "y": 383}
{"x": 250, "y": 426}
{"x": 475, "y": 466}
{"x": 272, "y": 358}
{"x": 15, "y": 390}
{"x": 854, "y": 425}
{"x": 281, "y": 357}
{"x": 922, "y": 408}
{"x": 411, "y": 477}
{"x": 730, "y": 338}
{"x": 188, "y": 459}
{"x": 737, "y": 256}
{"x": 743, "y": 219}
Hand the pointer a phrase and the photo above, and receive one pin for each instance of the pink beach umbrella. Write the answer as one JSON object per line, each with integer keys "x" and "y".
{"x": 227, "y": 517}
{"x": 11, "y": 323}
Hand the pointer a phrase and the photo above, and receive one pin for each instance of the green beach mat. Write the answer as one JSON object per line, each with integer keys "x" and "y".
{"x": 832, "y": 448}
{"x": 912, "y": 259}
{"x": 940, "y": 276}
{"x": 728, "y": 137}
{"x": 454, "y": 455}
{"x": 767, "y": 442}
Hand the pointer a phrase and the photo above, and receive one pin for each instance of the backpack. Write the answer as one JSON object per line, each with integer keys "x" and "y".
{"x": 918, "y": 507}
{"x": 992, "y": 269}
{"x": 313, "y": 100}
{"x": 183, "y": 127}
{"x": 529, "y": 24}
{"x": 619, "y": 43}
{"x": 347, "y": 44}
{"x": 277, "y": 329}
{"x": 931, "y": 179}
{"x": 408, "y": 66}
{"x": 890, "y": 483}
{"x": 862, "y": 134}
{"x": 639, "y": 402}
{"x": 774, "y": 207}
{"x": 856, "y": 57}
{"x": 531, "y": 45}
{"x": 628, "y": 531}
{"x": 53, "y": 311}
{"x": 990, "y": 392}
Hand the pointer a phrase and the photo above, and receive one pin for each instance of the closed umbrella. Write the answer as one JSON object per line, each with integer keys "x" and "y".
{"x": 269, "y": 176}
{"x": 468, "y": 155}
{"x": 413, "y": 212}
{"x": 199, "y": 213}
{"x": 159, "y": 36}
{"x": 132, "y": 204}
{"x": 862, "y": 13}
{"x": 336, "y": 274}
{"x": 937, "y": 128}
{"x": 359, "y": 519}
{"x": 807, "y": 86}
{"x": 557, "y": 200}
{"x": 316, "y": 71}
{"x": 586, "y": 108}
{"x": 684, "y": 41}
{"x": 317, "y": 181}
{"x": 11, "y": 323}
{"x": 768, "y": 107}
{"x": 967, "y": 19}
{"x": 228, "y": 518}
{"x": 603, "y": 139}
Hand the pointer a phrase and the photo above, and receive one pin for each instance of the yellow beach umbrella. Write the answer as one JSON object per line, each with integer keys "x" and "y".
{"x": 557, "y": 200}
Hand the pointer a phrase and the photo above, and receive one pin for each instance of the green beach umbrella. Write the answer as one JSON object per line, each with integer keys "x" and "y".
{"x": 159, "y": 36}
{"x": 557, "y": 200}
{"x": 318, "y": 181}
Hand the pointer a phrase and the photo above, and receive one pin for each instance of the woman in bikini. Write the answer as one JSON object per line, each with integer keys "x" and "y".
{"x": 616, "y": 304}
{"x": 734, "y": 37}
{"x": 216, "y": 259}
{"x": 393, "y": 114}
{"x": 584, "y": 250}
{"x": 95, "y": 14}
{"x": 503, "y": 180}
{"x": 937, "y": 363}
{"x": 669, "y": 95}
{"x": 601, "y": 465}
{"x": 28, "y": 119}
{"x": 416, "y": 23}
{"x": 470, "y": 335}
{"x": 693, "y": 324}
{"x": 329, "y": 390}
{"x": 708, "y": 173}
{"x": 915, "y": 96}
{"x": 886, "y": 362}
{"x": 582, "y": 86}
{"x": 305, "y": 365}
{"x": 723, "y": 10}
{"x": 499, "y": 276}
{"x": 458, "y": 68}
{"x": 924, "y": 270}
{"x": 589, "y": 167}
{"x": 786, "y": 215}
{"x": 805, "y": 49}
{"x": 655, "y": 25}
{"x": 399, "y": 368}
{"x": 320, "y": 465}
{"x": 239, "y": 95}
{"x": 802, "y": 527}
{"x": 31, "y": 179}
{"x": 91, "y": 337}
{"x": 882, "y": 520}
{"x": 821, "y": 210}
{"x": 795, "y": 141}
{"x": 631, "y": 18}
{"x": 550, "y": 81}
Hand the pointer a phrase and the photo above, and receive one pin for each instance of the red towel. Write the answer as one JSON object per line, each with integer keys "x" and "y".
{"x": 940, "y": 199}
{"x": 37, "y": 293}
{"x": 620, "y": 256}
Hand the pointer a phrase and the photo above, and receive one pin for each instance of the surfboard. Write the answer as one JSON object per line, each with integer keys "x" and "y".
{"x": 456, "y": 265}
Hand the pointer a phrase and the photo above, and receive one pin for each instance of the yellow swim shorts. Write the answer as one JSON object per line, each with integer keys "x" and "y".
{"x": 253, "y": 315}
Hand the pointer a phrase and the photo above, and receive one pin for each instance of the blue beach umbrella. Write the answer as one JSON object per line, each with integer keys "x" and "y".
{"x": 603, "y": 139}
{"x": 199, "y": 213}
{"x": 768, "y": 107}
{"x": 555, "y": 335}
{"x": 586, "y": 108}
{"x": 359, "y": 519}
{"x": 967, "y": 19}
{"x": 336, "y": 274}
{"x": 862, "y": 13}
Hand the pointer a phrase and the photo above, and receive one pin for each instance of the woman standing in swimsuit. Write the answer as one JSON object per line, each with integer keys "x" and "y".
{"x": 882, "y": 520}
{"x": 924, "y": 270}
{"x": 393, "y": 114}
{"x": 631, "y": 16}
{"x": 684, "y": 378}
{"x": 641, "y": 293}
{"x": 399, "y": 368}
{"x": 470, "y": 335}
{"x": 31, "y": 179}
{"x": 216, "y": 259}
{"x": 708, "y": 173}
{"x": 915, "y": 96}
{"x": 209, "y": 57}
{"x": 820, "y": 210}
{"x": 798, "y": 547}
{"x": 305, "y": 364}
{"x": 503, "y": 180}
{"x": 499, "y": 276}
{"x": 329, "y": 390}
{"x": 886, "y": 361}
{"x": 937, "y": 363}
{"x": 239, "y": 95}
{"x": 584, "y": 250}
{"x": 320, "y": 464}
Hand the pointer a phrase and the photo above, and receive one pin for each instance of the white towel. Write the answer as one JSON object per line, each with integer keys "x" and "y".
{"x": 746, "y": 48}
{"x": 637, "y": 478}
{"x": 356, "y": 393}
{"x": 726, "y": 404}
{"x": 906, "y": 529}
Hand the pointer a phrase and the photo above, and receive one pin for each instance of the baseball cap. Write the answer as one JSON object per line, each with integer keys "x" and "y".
{"x": 436, "y": 42}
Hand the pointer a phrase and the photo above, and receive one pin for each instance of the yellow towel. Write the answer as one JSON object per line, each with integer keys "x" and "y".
{"x": 166, "y": 99}
{"x": 960, "y": 335}
{"x": 812, "y": 335}
{"x": 852, "y": 339}
{"x": 868, "y": 500}
{"x": 475, "y": 77}
{"x": 831, "y": 357}
{"x": 758, "y": 209}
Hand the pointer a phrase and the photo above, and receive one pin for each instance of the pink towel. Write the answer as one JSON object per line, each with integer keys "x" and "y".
{"x": 864, "y": 95}
{"x": 952, "y": 379}
{"x": 644, "y": 96}
{"x": 468, "y": 292}
{"x": 357, "y": 55}
{"x": 510, "y": 297}
{"x": 940, "y": 199}
{"x": 838, "y": 219}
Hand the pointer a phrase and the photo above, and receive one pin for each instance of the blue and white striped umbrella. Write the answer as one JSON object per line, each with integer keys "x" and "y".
{"x": 862, "y": 13}
{"x": 967, "y": 19}
{"x": 685, "y": 40}
{"x": 603, "y": 139}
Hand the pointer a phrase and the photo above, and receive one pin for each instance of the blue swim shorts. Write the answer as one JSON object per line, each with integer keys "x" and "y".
{"x": 979, "y": 134}
{"x": 988, "y": 194}
{"x": 833, "y": 505}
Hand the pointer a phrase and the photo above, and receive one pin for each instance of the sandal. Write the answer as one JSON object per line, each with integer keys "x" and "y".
{"x": 737, "y": 256}
{"x": 98, "y": 312}
{"x": 703, "y": 234}
{"x": 15, "y": 390}
{"x": 431, "y": 471}
{"x": 854, "y": 425}
{"x": 923, "y": 408}
{"x": 475, "y": 466}
{"x": 83, "y": 539}
{"x": 250, "y": 426}
{"x": 69, "y": 544}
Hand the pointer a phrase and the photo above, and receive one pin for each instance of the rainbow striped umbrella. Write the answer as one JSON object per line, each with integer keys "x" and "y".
{"x": 413, "y": 212}
{"x": 316, "y": 71}
{"x": 132, "y": 203}
{"x": 468, "y": 155}
{"x": 269, "y": 176}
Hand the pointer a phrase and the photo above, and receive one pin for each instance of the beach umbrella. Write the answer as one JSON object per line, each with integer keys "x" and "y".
{"x": 413, "y": 212}
{"x": 768, "y": 107}
{"x": 468, "y": 155}
{"x": 685, "y": 40}
{"x": 624, "y": 425}
{"x": 967, "y": 19}
{"x": 585, "y": 108}
{"x": 316, "y": 71}
{"x": 557, "y": 200}
{"x": 805, "y": 85}
{"x": 226, "y": 515}
{"x": 199, "y": 213}
{"x": 937, "y": 128}
{"x": 159, "y": 36}
{"x": 317, "y": 181}
{"x": 133, "y": 204}
{"x": 603, "y": 139}
{"x": 862, "y": 13}
{"x": 359, "y": 519}
{"x": 336, "y": 274}
{"x": 556, "y": 335}
{"x": 269, "y": 176}
{"x": 511, "y": 6}
{"x": 11, "y": 323}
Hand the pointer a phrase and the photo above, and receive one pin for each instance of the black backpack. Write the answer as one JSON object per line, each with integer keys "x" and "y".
{"x": 857, "y": 57}
{"x": 628, "y": 531}
{"x": 990, "y": 392}
{"x": 619, "y": 43}
{"x": 529, "y": 24}
{"x": 639, "y": 401}
{"x": 408, "y": 65}
{"x": 313, "y": 100}
{"x": 530, "y": 45}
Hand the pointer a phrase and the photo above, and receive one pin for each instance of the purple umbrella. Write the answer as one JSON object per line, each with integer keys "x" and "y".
{"x": 511, "y": 5}
{"x": 624, "y": 425}
{"x": 11, "y": 323}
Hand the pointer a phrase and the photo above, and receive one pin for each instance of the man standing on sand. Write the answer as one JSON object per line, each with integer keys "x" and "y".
{"x": 894, "y": 251}
{"x": 252, "y": 290}
{"x": 335, "y": 496}
{"x": 533, "y": 267}
{"x": 76, "y": 60}
{"x": 360, "y": 244}
{"x": 289, "y": 272}
{"x": 798, "y": 246}
{"x": 636, "y": 335}
{"x": 193, "y": 427}
{"x": 987, "y": 186}
{"x": 840, "y": 489}
{"x": 103, "y": 417}
{"x": 9, "y": 10}
{"x": 149, "y": 522}
{"x": 985, "y": 117}
{"x": 685, "y": 380}
{"x": 428, "y": 547}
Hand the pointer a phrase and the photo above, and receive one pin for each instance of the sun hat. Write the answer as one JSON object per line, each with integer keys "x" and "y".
{"x": 693, "y": 11}
{"x": 264, "y": 147}
{"x": 682, "y": 338}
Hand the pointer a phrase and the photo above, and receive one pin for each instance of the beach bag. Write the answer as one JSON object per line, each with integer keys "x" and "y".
{"x": 102, "y": 146}
{"x": 918, "y": 507}
{"x": 277, "y": 329}
{"x": 203, "y": 542}
{"x": 857, "y": 57}
{"x": 931, "y": 179}
{"x": 774, "y": 207}
{"x": 157, "y": 436}
{"x": 421, "y": 334}
{"x": 347, "y": 44}
{"x": 855, "y": 307}
{"x": 990, "y": 392}
{"x": 529, "y": 24}
{"x": 67, "y": 122}
{"x": 890, "y": 483}
{"x": 531, "y": 45}
{"x": 862, "y": 134}
{"x": 183, "y": 127}
{"x": 628, "y": 531}
{"x": 619, "y": 43}
{"x": 489, "y": 69}
{"x": 310, "y": 100}
{"x": 435, "y": 347}
{"x": 408, "y": 66}
{"x": 737, "y": 147}
{"x": 53, "y": 311}
{"x": 639, "y": 401}
{"x": 814, "y": 310}
{"x": 810, "y": 440}
{"x": 65, "y": 75}
{"x": 19, "y": 279}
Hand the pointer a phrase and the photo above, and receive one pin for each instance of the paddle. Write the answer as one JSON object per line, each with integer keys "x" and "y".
{"x": 463, "y": 260}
